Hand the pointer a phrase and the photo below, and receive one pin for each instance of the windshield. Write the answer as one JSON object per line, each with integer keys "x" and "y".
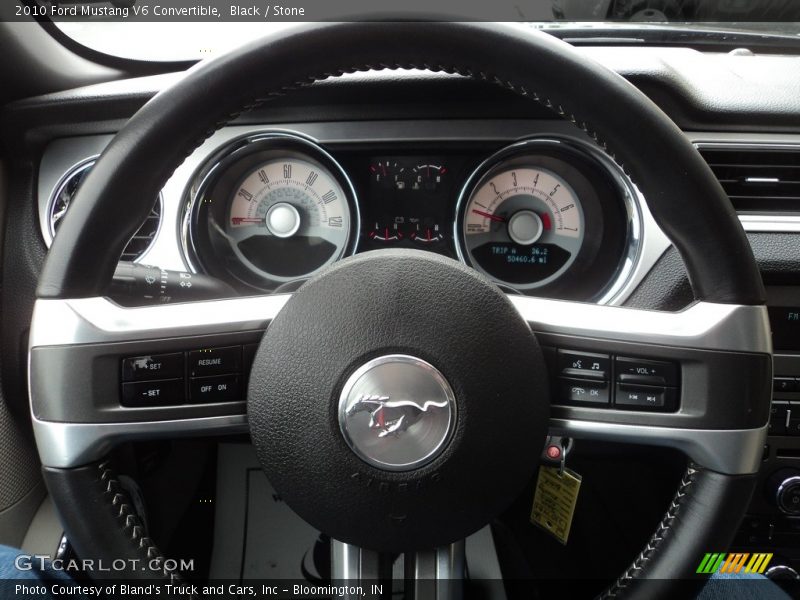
{"x": 183, "y": 30}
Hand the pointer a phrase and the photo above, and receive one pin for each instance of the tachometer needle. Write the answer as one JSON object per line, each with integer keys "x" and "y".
{"x": 489, "y": 216}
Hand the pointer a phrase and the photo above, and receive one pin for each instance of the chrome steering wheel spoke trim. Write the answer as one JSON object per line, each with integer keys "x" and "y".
{"x": 72, "y": 341}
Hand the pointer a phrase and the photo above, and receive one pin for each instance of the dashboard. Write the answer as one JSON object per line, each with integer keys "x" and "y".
{"x": 249, "y": 205}
{"x": 537, "y": 210}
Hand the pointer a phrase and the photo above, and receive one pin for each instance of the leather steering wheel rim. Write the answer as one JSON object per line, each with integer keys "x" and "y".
{"x": 681, "y": 192}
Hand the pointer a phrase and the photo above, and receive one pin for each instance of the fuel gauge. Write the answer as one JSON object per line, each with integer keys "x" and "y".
{"x": 389, "y": 174}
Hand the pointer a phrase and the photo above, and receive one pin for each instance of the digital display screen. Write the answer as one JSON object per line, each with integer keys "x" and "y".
{"x": 517, "y": 264}
{"x": 785, "y": 322}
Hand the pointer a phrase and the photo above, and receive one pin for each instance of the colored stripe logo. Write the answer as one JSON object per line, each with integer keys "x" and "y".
{"x": 734, "y": 562}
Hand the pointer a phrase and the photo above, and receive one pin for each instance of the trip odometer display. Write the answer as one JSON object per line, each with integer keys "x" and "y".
{"x": 272, "y": 211}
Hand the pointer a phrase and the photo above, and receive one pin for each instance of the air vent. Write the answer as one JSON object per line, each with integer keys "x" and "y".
{"x": 757, "y": 179}
{"x": 65, "y": 192}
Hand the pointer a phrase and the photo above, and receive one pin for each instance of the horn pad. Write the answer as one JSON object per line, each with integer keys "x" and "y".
{"x": 342, "y": 380}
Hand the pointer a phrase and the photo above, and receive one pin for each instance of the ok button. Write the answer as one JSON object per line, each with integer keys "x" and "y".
{"x": 226, "y": 388}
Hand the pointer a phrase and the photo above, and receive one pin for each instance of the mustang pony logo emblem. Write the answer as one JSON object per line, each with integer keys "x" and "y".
{"x": 392, "y": 416}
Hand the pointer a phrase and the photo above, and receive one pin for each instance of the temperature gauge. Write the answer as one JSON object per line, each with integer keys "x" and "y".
{"x": 427, "y": 177}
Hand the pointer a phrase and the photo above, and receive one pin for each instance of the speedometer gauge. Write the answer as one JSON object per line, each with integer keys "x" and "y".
{"x": 270, "y": 210}
{"x": 288, "y": 218}
{"x": 523, "y": 225}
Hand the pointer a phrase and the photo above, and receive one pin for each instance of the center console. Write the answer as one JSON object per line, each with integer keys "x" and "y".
{"x": 773, "y": 520}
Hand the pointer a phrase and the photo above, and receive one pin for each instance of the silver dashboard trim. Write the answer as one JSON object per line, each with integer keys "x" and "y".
{"x": 48, "y": 229}
{"x": 732, "y": 451}
{"x": 702, "y": 325}
{"x": 65, "y": 445}
{"x": 99, "y": 320}
{"x": 757, "y": 223}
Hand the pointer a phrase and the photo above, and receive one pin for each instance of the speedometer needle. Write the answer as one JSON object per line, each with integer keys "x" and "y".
{"x": 240, "y": 220}
{"x": 489, "y": 216}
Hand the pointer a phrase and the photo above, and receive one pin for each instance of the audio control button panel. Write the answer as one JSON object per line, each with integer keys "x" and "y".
{"x": 615, "y": 381}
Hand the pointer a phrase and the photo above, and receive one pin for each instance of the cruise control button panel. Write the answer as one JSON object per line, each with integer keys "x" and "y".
{"x": 194, "y": 376}
{"x": 621, "y": 382}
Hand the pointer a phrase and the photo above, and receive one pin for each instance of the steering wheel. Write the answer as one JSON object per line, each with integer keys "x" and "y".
{"x": 392, "y": 325}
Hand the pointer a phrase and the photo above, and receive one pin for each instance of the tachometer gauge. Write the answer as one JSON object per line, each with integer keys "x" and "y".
{"x": 523, "y": 225}
{"x": 539, "y": 209}
{"x": 272, "y": 210}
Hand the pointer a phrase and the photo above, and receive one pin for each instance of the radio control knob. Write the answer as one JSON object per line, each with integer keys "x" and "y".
{"x": 782, "y": 573}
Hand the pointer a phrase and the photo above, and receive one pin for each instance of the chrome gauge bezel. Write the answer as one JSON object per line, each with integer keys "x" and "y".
{"x": 195, "y": 248}
{"x": 630, "y": 199}
{"x": 48, "y": 224}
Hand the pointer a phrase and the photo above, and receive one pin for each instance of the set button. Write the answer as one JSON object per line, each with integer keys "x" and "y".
{"x": 153, "y": 366}
{"x": 153, "y": 393}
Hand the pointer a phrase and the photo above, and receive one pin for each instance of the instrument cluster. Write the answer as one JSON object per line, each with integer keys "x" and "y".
{"x": 544, "y": 216}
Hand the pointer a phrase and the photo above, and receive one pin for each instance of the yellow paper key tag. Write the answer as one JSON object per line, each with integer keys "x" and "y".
{"x": 554, "y": 501}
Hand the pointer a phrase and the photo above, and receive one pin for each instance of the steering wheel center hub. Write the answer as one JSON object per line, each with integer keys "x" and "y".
{"x": 397, "y": 412}
{"x": 398, "y": 401}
